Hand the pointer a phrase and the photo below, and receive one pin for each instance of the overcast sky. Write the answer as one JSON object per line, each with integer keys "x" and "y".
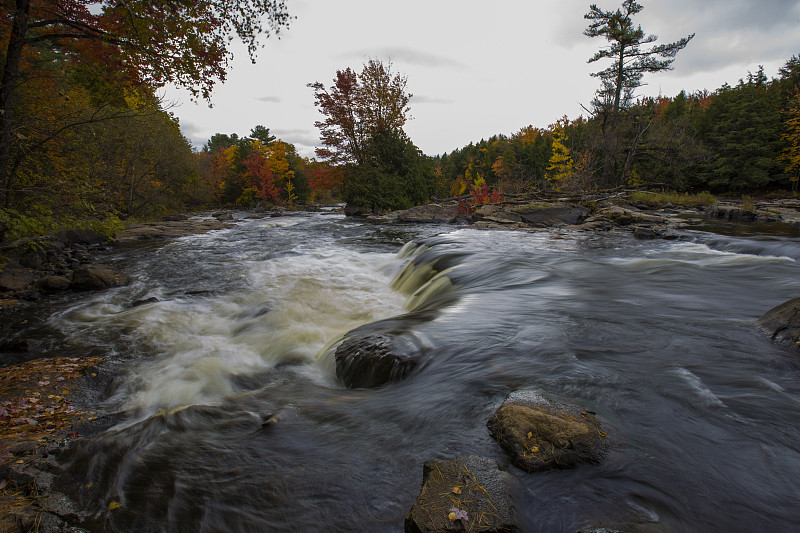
{"x": 478, "y": 68}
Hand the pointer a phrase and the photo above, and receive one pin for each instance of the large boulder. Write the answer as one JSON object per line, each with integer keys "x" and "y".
{"x": 15, "y": 277}
{"x": 537, "y": 434}
{"x": 97, "y": 277}
{"x": 466, "y": 494}
{"x": 782, "y": 322}
{"x": 70, "y": 237}
{"x": 370, "y": 359}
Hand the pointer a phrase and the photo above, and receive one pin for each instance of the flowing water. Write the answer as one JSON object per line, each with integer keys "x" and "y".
{"x": 235, "y": 419}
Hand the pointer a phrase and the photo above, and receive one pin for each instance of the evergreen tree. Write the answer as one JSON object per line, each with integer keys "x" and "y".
{"x": 630, "y": 60}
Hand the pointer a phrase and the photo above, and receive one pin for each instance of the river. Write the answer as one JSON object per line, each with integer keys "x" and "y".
{"x": 234, "y": 419}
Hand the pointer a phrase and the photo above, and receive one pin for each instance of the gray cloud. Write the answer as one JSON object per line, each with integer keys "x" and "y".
{"x": 416, "y": 99}
{"x": 409, "y": 56}
{"x": 194, "y": 133}
{"x": 270, "y": 99}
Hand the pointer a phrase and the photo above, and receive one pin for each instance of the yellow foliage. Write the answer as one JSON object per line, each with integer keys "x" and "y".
{"x": 562, "y": 166}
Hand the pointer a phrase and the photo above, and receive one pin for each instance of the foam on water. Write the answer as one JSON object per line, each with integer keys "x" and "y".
{"x": 293, "y": 308}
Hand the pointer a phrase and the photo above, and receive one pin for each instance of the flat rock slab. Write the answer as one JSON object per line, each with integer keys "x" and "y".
{"x": 467, "y": 494}
{"x": 537, "y": 434}
{"x": 168, "y": 229}
{"x": 782, "y": 322}
{"x": 431, "y": 214}
{"x": 554, "y": 216}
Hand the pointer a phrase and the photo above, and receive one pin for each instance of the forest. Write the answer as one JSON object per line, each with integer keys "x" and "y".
{"x": 86, "y": 141}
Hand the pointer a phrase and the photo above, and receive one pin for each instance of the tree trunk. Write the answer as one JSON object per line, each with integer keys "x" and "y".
{"x": 7, "y": 87}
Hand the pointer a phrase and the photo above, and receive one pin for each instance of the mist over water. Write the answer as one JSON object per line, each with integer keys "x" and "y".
{"x": 235, "y": 419}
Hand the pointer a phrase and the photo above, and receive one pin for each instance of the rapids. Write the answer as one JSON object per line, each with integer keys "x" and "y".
{"x": 234, "y": 419}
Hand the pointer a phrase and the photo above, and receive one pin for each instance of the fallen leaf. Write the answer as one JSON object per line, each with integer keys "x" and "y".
{"x": 114, "y": 505}
{"x": 457, "y": 514}
{"x": 456, "y": 490}
{"x": 530, "y": 435}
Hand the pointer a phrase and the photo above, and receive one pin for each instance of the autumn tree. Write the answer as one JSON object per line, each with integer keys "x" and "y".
{"x": 358, "y": 107}
{"x": 363, "y": 129}
{"x": 561, "y": 165}
{"x": 631, "y": 58}
{"x": 151, "y": 42}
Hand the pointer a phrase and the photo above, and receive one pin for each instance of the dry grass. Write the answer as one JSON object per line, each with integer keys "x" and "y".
{"x": 660, "y": 199}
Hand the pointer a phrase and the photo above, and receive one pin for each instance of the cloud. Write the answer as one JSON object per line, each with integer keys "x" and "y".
{"x": 298, "y": 137}
{"x": 408, "y": 56}
{"x": 270, "y": 99}
{"x": 416, "y": 99}
{"x": 194, "y": 133}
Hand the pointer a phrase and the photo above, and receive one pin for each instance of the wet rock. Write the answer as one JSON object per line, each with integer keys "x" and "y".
{"x": 427, "y": 214}
{"x": 646, "y": 232}
{"x": 71, "y": 237}
{"x": 145, "y": 301}
{"x": 731, "y": 212}
{"x": 175, "y": 218}
{"x": 224, "y": 216}
{"x": 97, "y": 277}
{"x": 14, "y": 345}
{"x": 168, "y": 229}
{"x": 566, "y": 215}
{"x": 782, "y": 322}
{"x": 466, "y": 494}
{"x": 497, "y": 215}
{"x": 369, "y": 359}
{"x": 351, "y": 210}
{"x": 53, "y": 283}
{"x": 140, "y": 232}
{"x": 15, "y": 277}
{"x": 537, "y": 434}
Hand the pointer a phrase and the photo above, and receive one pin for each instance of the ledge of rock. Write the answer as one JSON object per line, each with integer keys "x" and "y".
{"x": 538, "y": 434}
{"x": 96, "y": 277}
{"x": 430, "y": 214}
{"x": 168, "y": 229}
{"x": 782, "y": 322}
{"x": 466, "y": 494}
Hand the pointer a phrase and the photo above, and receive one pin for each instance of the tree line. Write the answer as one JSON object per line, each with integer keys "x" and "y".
{"x": 739, "y": 139}
{"x": 85, "y": 140}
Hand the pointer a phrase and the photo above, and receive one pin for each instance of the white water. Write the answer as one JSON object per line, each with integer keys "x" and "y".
{"x": 293, "y": 308}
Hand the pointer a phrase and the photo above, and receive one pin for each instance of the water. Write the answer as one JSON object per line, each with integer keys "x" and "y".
{"x": 235, "y": 420}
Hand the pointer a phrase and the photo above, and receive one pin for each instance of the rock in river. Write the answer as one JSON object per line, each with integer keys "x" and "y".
{"x": 782, "y": 322}
{"x": 371, "y": 359}
{"x": 538, "y": 434}
{"x": 467, "y": 494}
{"x": 96, "y": 277}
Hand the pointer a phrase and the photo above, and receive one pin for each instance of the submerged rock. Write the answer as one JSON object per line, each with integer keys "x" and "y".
{"x": 782, "y": 322}
{"x": 537, "y": 434}
{"x": 466, "y": 494}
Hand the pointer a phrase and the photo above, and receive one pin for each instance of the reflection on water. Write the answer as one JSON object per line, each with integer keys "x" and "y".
{"x": 237, "y": 422}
